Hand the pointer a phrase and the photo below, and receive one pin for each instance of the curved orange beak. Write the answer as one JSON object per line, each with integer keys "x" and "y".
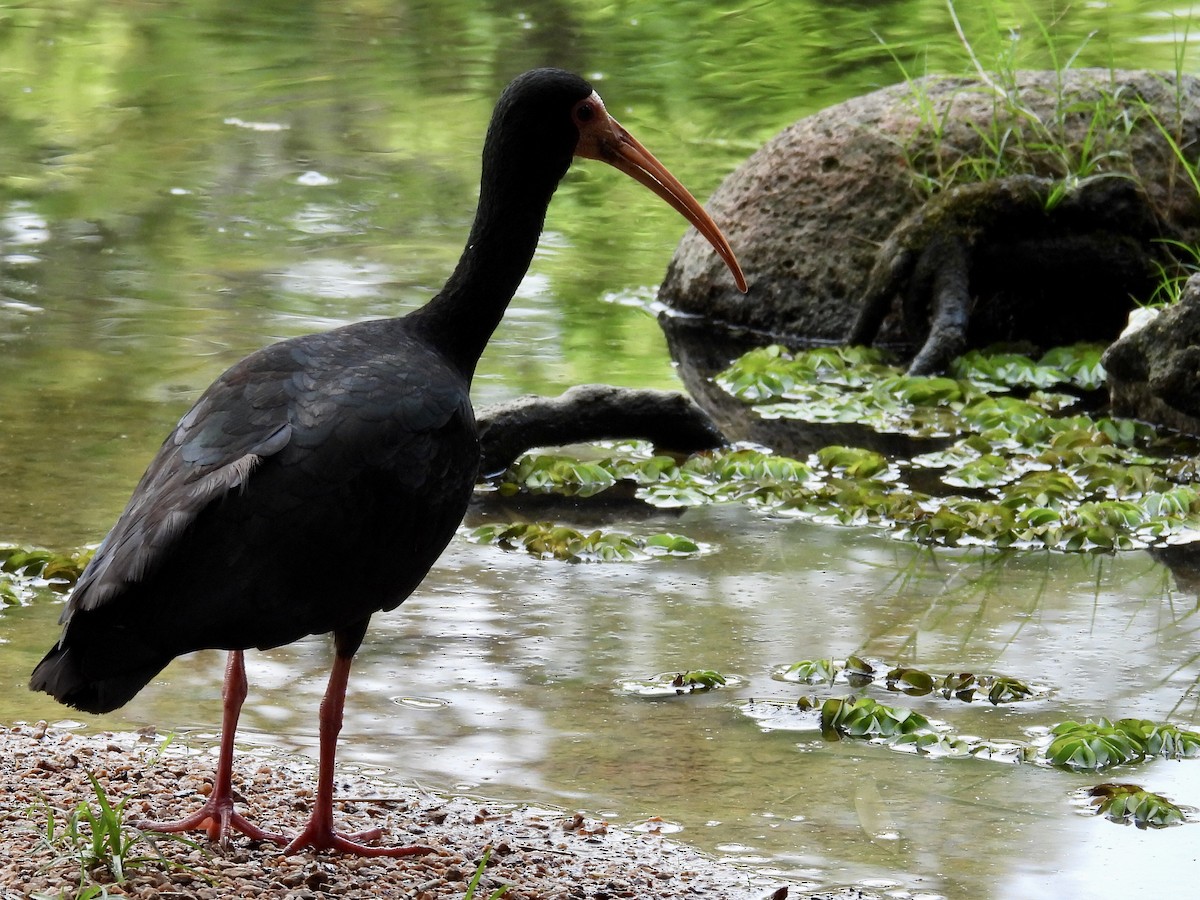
{"x": 602, "y": 137}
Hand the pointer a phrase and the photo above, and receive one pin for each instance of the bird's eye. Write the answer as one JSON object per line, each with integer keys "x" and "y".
{"x": 585, "y": 111}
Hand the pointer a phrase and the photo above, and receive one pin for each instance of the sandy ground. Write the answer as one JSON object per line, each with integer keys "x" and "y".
{"x": 540, "y": 854}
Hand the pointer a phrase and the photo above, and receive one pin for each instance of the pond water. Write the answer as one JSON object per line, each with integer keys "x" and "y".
{"x": 181, "y": 185}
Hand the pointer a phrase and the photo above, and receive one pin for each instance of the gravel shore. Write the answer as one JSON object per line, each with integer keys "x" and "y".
{"x": 541, "y": 854}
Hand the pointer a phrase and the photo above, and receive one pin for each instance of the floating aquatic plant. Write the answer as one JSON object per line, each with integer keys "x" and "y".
{"x": 894, "y": 727}
{"x": 811, "y": 671}
{"x": 864, "y": 717}
{"x": 1081, "y": 747}
{"x": 670, "y": 684}
{"x": 1075, "y": 367}
{"x": 963, "y": 686}
{"x": 1133, "y": 804}
{"x": 26, "y": 570}
{"x": 1103, "y": 743}
{"x": 548, "y": 540}
{"x": 560, "y": 474}
{"x": 49, "y": 565}
{"x": 699, "y": 680}
{"x": 910, "y": 681}
{"x": 1007, "y": 690}
{"x": 1007, "y": 464}
{"x": 1089, "y": 746}
{"x": 1159, "y": 739}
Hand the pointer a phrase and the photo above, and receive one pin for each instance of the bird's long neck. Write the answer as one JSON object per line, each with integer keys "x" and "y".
{"x": 508, "y": 222}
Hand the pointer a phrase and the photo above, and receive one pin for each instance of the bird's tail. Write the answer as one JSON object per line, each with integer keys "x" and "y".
{"x": 61, "y": 675}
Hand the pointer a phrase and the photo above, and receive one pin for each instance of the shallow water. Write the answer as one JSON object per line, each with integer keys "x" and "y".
{"x": 180, "y": 189}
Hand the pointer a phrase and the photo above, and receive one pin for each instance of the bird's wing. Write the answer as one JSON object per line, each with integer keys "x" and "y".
{"x": 241, "y": 419}
{"x": 320, "y": 408}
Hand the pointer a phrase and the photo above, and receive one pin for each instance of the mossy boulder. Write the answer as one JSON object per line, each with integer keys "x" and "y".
{"x": 811, "y": 214}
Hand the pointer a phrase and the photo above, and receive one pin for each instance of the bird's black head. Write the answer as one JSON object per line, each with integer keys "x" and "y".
{"x": 542, "y": 120}
{"x": 533, "y": 133}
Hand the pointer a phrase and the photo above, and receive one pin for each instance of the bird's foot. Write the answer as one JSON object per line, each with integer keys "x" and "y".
{"x": 218, "y": 818}
{"x": 320, "y": 836}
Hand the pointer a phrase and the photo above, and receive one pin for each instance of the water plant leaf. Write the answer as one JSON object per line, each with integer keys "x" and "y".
{"x": 983, "y": 471}
{"x": 699, "y": 680}
{"x": 961, "y": 685}
{"x": 856, "y": 665}
{"x": 675, "y": 684}
{"x": 864, "y": 717}
{"x": 858, "y": 671}
{"x": 910, "y": 681}
{"x": 774, "y": 372}
{"x": 923, "y": 391}
{"x": 1158, "y": 739}
{"x": 548, "y": 540}
{"x": 1091, "y": 745}
{"x": 811, "y": 671}
{"x": 760, "y": 374}
{"x": 1006, "y": 690}
{"x": 1012, "y": 470}
{"x": 562, "y": 474}
{"x": 854, "y": 462}
{"x": 57, "y": 570}
{"x": 1131, "y": 803}
{"x": 672, "y": 544}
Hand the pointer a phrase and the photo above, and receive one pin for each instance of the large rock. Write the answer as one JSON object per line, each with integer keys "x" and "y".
{"x": 1154, "y": 370}
{"x": 808, "y": 212}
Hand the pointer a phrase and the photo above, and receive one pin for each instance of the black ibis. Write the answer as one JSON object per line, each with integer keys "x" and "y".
{"x": 356, "y": 444}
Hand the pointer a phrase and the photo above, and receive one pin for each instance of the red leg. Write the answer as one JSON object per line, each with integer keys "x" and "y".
{"x": 318, "y": 833}
{"x": 217, "y": 816}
